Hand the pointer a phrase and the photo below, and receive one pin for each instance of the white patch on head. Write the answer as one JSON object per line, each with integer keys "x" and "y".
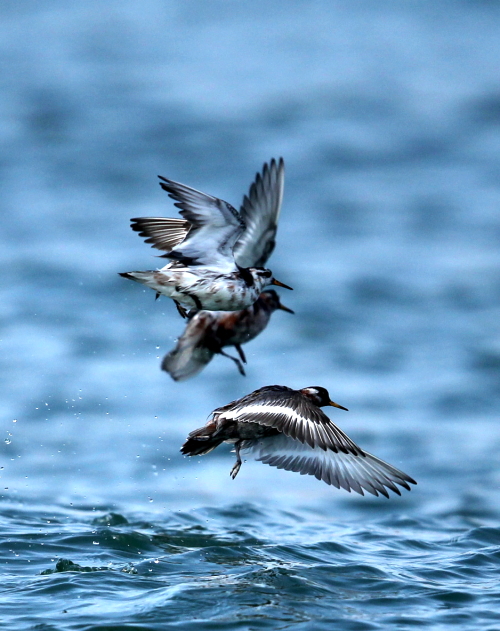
{"x": 312, "y": 391}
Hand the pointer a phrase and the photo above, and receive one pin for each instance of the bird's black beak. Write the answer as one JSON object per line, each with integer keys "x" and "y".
{"x": 283, "y": 308}
{"x": 336, "y": 405}
{"x": 276, "y": 282}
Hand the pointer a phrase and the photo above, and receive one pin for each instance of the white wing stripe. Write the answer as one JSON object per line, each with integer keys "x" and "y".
{"x": 293, "y": 423}
{"x": 255, "y": 409}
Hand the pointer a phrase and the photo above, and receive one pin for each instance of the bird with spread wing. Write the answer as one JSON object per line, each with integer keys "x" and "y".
{"x": 208, "y": 332}
{"x": 287, "y": 429}
{"x": 209, "y": 250}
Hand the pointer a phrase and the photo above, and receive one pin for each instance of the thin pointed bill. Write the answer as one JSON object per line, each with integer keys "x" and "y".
{"x": 336, "y": 405}
{"x": 276, "y": 282}
{"x": 283, "y": 308}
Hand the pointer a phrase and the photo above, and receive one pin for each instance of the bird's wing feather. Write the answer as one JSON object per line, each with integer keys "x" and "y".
{"x": 357, "y": 472}
{"x": 215, "y": 228}
{"x": 164, "y": 233}
{"x": 291, "y": 413}
{"x": 260, "y": 211}
{"x": 190, "y": 355}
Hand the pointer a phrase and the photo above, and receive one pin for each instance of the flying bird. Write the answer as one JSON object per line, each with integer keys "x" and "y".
{"x": 286, "y": 429}
{"x": 208, "y": 250}
{"x": 208, "y": 332}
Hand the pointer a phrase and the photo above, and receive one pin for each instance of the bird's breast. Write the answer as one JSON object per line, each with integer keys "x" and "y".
{"x": 225, "y": 294}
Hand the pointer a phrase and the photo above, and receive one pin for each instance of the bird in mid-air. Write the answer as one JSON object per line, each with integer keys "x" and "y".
{"x": 203, "y": 272}
{"x": 286, "y": 429}
{"x": 208, "y": 332}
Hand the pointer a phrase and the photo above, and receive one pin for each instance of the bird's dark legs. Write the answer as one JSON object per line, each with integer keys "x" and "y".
{"x": 157, "y": 295}
{"x": 240, "y": 353}
{"x": 197, "y": 302}
{"x": 194, "y": 298}
{"x": 181, "y": 309}
{"x": 237, "y": 464}
{"x": 235, "y": 360}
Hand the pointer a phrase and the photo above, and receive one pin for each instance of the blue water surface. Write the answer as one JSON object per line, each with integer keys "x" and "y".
{"x": 388, "y": 117}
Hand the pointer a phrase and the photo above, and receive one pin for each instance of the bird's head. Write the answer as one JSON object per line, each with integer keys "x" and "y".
{"x": 265, "y": 277}
{"x": 271, "y": 298}
{"x": 320, "y": 397}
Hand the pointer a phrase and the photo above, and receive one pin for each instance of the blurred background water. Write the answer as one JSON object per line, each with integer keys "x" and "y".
{"x": 388, "y": 117}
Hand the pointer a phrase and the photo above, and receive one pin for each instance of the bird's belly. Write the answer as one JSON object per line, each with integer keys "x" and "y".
{"x": 175, "y": 285}
{"x": 245, "y": 329}
{"x": 251, "y": 431}
{"x": 213, "y": 293}
{"x": 226, "y": 296}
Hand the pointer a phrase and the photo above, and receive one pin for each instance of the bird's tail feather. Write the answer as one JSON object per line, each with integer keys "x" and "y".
{"x": 139, "y": 277}
{"x": 200, "y": 442}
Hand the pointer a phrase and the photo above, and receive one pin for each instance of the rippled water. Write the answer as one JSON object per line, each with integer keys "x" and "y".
{"x": 388, "y": 118}
{"x": 246, "y": 567}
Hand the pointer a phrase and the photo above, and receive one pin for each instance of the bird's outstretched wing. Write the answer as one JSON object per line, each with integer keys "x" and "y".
{"x": 260, "y": 211}
{"x": 215, "y": 228}
{"x": 190, "y": 354}
{"x": 348, "y": 471}
{"x": 205, "y": 237}
{"x": 164, "y": 233}
{"x": 290, "y": 413}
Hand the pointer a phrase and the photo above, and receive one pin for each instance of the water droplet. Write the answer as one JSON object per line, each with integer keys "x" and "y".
{"x": 7, "y": 441}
